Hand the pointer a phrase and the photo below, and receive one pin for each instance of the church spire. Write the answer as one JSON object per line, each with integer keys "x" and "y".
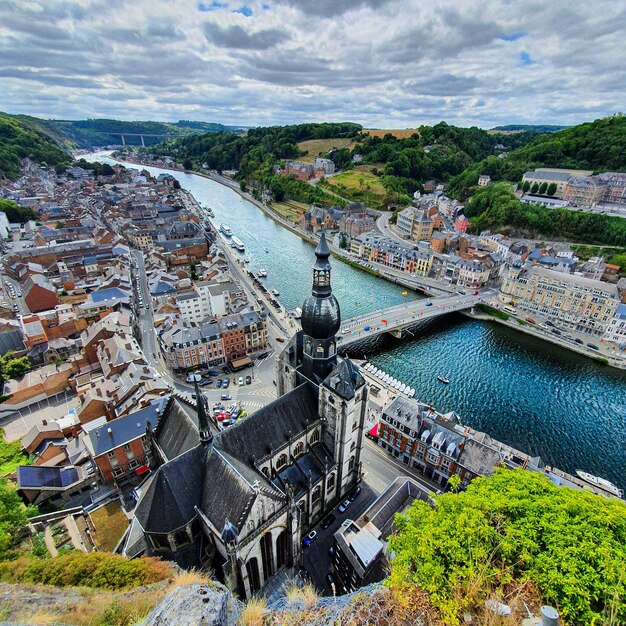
{"x": 321, "y": 269}
{"x": 203, "y": 421}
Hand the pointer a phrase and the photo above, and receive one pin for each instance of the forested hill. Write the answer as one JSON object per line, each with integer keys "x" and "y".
{"x": 19, "y": 140}
{"x": 247, "y": 153}
{"x": 599, "y": 146}
{"x": 102, "y": 132}
{"x": 540, "y": 128}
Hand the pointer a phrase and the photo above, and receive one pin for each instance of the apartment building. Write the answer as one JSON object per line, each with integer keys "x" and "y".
{"x": 582, "y": 304}
{"x": 616, "y": 331}
{"x": 206, "y": 300}
{"x": 415, "y": 224}
{"x": 583, "y": 192}
{"x": 186, "y": 348}
{"x": 327, "y": 165}
{"x": 374, "y": 247}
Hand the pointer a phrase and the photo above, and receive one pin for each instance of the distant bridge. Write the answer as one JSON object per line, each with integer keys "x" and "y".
{"x": 398, "y": 320}
{"x": 142, "y": 135}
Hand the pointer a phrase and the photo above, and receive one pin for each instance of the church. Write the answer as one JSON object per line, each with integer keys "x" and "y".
{"x": 240, "y": 502}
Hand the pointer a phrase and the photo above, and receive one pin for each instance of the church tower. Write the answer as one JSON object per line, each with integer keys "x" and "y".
{"x": 320, "y": 321}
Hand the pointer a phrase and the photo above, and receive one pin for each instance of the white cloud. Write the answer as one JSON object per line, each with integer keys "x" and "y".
{"x": 384, "y": 63}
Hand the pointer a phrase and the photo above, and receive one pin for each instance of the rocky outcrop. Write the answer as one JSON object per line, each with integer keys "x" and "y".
{"x": 204, "y": 604}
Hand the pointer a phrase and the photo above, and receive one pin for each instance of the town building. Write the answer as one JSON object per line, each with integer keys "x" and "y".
{"x": 484, "y": 180}
{"x": 415, "y": 224}
{"x": 240, "y": 502}
{"x": 581, "y": 304}
{"x": 616, "y": 331}
{"x": 327, "y": 165}
{"x": 360, "y": 547}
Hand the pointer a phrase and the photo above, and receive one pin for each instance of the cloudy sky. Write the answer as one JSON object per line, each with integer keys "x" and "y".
{"x": 383, "y": 63}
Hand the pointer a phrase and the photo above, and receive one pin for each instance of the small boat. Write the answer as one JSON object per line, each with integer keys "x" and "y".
{"x": 226, "y": 230}
{"x": 443, "y": 379}
{"x": 297, "y": 312}
{"x": 601, "y": 483}
{"x": 266, "y": 250}
{"x": 238, "y": 244}
{"x": 275, "y": 292}
{"x": 209, "y": 210}
{"x": 262, "y": 272}
{"x": 246, "y": 260}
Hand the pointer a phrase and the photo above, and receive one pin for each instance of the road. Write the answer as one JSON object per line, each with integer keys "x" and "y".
{"x": 379, "y": 471}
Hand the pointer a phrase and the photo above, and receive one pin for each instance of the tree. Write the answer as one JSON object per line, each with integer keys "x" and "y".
{"x": 59, "y": 224}
{"x": 543, "y": 188}
{"x": 13, "y": 517}
{"x": 515, "y": 529}
{"x": 534, "y": 188}
{"x": 187, "y": 164}
{"x": 343, "y": 242}
{"x": 551, "y": 189}
{"x": 525, "y": 186}
{"x": 10, "y": 367}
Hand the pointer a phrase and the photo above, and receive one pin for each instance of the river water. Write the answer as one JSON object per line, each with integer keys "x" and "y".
{"x": 530, "y": 394}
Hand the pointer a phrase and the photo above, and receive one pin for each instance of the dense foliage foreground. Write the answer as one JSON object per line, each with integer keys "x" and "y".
{"x": 516, "y": 529}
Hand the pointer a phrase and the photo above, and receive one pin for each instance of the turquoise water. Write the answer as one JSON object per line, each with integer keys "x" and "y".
{"x": 529, "y": 394}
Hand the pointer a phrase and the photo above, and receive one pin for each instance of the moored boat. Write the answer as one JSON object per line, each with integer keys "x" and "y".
{"x": 262, "y": 272}
{"x": 275, "y": 292}
{"x": 601, "y": 483}
{"x": 238, "y": 244}
{"x": 226, "y": 230}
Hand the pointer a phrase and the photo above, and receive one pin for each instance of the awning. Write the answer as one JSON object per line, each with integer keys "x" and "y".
{"x": 241, "y": 363}
{"x": 374, "y": 430}
{"x": 142, "y": 470}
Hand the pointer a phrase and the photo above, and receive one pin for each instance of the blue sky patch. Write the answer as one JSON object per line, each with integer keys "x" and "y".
{"x": 211, "y": 6}
{"x": 525, "y": 59}
{"x": 244, "y": 10}
{"x": 513, "y": 36}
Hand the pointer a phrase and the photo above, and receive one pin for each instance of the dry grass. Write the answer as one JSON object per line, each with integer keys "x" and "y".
{"x": 357, "y": 185}
{"x": 86, "y": 607}
{"x": 302, "y": 597}
{"x": 315, "y": 147}
{"x": 290, "y": 209}
{"x": 400, "y": 134}
{"x": 253, "y": 613}
{"x": 191, "y": 577}
{"x": 110, "y": 523}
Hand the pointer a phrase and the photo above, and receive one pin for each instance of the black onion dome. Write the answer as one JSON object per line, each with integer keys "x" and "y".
{"x": 321, "y": 317}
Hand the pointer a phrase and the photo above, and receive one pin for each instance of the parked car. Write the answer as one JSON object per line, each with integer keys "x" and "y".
{"x": 327, "y": 521}
{"x": 556, "y": 331}
{"x": 225, "y": 383}
{"x": 218, "y": 384}
{"x": 530, "y": 320}
{"x": 310, "y": 538}
{"x": 226, "y": 396}
{"x": 226, "y": 369}
{"x": 354, "y": 494}
{"x": 240, "y": 381}
{"x": 475, "y": 292}
{"x": 429, "y": 304}
{"x": 344, "y": 505}
{"x": 366, "y": 327}
{"x": 206, "y": 381}
{"x": 280, "y": 339}
{"x": 213, "y": 373}
{"x": 592, "y": 346}
{"x": 248, "y": 380}
{"x": 580, "y": 341}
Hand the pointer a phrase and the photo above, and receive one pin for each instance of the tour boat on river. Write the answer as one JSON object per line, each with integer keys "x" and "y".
{"x": 226, "y": 230}
{"x": 602, "y": 483}
{"x": 238, "y": 244}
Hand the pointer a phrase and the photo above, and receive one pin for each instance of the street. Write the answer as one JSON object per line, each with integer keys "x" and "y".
{"x": 380, "y": 470}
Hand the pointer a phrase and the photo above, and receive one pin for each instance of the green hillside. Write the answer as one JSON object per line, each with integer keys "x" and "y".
{"x": 20, "y": 140}
{"x": 540, "y": 128}
{"x": 598, "y": 146}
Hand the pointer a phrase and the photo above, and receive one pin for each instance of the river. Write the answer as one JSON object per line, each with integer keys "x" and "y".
{"x": 530, "y": 394}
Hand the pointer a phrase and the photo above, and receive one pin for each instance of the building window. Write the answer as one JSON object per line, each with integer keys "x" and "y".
{"x": 317, "y": 494}
{"x": 129, "y": 451}
{"x": 298, "y": 450}
{"x": 330, "y": 483}
{"x": 282, "y": 461}
{"x": 118, "y": 472}
{"x": 113, "y": 459}
{"x": 352, "y": 446}
{"x": 351, "y": 464}
{"x": 315, "y": 437}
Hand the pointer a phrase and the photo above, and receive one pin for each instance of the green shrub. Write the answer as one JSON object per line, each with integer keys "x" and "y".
{"x": 489, "y": 310}
{"x": 512, "y": 529}
{"x": 102, "y": 570}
